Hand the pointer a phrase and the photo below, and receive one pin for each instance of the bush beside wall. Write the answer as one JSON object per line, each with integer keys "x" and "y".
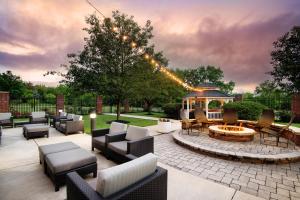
{"x": 246, "y": 110}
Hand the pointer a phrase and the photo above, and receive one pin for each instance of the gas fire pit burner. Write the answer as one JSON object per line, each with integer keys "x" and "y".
{"x": 231, "y": 133}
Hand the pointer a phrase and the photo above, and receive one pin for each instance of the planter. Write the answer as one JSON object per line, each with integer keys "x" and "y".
{"x": 164, "y": 127}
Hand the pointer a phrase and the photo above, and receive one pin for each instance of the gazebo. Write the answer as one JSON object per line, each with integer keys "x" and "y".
{"x": 203, "y": 99}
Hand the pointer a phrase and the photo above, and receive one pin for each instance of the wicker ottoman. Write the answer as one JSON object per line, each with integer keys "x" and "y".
{"x": 35, "y": 130}
{"x": 54, "y": 148}
{"x": 60, "y": 163}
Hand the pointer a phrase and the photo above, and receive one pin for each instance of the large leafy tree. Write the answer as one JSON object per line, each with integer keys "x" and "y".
{"x": 204, "y": 74}
{"x": 286, "y": 61}
{"x": 108, "y": 61}
{"x": 13, "y": 84}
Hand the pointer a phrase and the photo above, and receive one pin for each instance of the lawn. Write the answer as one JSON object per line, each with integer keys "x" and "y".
{"x": 153, "y": 114}
{"x": 102, "y": 119}
{"x": 293, "y": 124}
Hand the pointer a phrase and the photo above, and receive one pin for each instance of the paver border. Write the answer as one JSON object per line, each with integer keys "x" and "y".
{"x": 238, "y": 156}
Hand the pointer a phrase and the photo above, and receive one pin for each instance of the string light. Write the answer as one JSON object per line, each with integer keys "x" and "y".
{"x": 161, "y": 68}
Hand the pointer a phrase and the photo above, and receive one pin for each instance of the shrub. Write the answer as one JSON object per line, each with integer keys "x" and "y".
{"x": 283, "y": 116}
{"x": 172, "y": 110}
{"x": 246, "y": 109}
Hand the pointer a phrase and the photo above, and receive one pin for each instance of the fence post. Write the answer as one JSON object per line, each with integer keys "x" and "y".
{"x": 4, "y": 101}
{"x": 296, "y": 106}
{"x": 99, "y": 104}
{"x": 60, "y": 103}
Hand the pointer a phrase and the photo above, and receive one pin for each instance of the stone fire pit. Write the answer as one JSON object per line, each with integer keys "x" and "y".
{"x": 231, "y": 133}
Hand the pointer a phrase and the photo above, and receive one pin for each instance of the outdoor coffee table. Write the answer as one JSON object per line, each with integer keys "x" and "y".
{"x": 35, "y": 130}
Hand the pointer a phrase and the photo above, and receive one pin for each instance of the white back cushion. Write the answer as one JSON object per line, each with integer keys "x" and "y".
{"x": 116, "y": 127}
{"x": 77, "y": 117}
{"x": 63, "y": 114}
{"x": 136, "y": 133}
{"x": 39, "y": 114}
{"x": 4, "y": 116}
{"x": 116, "y": 178}
{"x": 70, "y": 116}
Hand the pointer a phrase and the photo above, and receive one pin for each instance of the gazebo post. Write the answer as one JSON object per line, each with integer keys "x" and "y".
{"x": 188, "y": 108}
{"x": 206, "y": 107}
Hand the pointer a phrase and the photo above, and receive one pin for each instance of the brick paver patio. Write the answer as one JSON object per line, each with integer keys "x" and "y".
{"x": 270, "y": 181}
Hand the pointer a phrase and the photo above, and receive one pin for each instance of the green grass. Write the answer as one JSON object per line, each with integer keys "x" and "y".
{"x": 102, "y": 119}
{"x": 293, "y": 124}
{"x": 153, "y": 114}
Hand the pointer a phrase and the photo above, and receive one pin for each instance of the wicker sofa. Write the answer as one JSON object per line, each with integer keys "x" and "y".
{"x": 135, "y": 142}
{"x": 138, "y": 179}
{"x": 6, "y": 119}
{"x": 74, "y": 125}
{"x": 98, "y": 135}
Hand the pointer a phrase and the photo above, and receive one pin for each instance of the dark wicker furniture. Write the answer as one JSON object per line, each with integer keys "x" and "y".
{"x": 35, "y": 130}
{"x": 57, "y": 165}
{"x": 136, "y": 147}
{"x": 230, "y": 117}
{"x": 0, "y": 133}
{"x": 153, "y": 187}
{"x": 6, "y": 120}
{"x": 71, "y": 126}
{"x": 39, "y": 117}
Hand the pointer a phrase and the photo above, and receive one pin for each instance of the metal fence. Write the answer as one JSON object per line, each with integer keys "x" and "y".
{"x": 275, "y": 103}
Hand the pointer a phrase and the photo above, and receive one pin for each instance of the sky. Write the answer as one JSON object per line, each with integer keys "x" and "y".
{"x": 235, "y": 35}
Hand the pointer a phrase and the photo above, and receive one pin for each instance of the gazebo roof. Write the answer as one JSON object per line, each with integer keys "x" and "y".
{"x": 208, "y": 93}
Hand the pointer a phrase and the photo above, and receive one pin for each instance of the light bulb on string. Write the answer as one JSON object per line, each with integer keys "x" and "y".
{"x": 125, "y": 37}
{"x": 133, "y": 44}
{"x": 115, "y": 29}
{"x": 146, "y": 56}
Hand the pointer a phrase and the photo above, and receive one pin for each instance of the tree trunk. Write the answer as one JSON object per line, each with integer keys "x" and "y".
{"x": 118, "y": 109}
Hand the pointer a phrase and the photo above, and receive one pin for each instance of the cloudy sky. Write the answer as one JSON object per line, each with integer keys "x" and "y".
{"x": 236, "y": 35}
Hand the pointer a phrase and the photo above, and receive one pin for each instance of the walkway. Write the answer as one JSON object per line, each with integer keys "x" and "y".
{"x": 22, "y": 177}
{"x": 133, "y": 116}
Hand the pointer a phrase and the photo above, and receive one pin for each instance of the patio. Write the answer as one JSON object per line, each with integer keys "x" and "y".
{"x": 22, "y": 176}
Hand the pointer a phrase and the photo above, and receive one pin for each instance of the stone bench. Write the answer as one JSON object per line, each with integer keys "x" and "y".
{"x": 35, "y": 130}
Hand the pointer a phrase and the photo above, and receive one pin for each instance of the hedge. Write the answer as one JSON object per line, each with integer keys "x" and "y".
{"x": 172, "y": 110}
{"x": 246, "y": 110}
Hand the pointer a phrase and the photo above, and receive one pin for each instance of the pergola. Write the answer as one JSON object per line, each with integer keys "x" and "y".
{"x": 203, "y": 98}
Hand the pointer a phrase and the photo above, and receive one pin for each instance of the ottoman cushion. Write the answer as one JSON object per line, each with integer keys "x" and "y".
{"x": 99, "y": 140}
{"x": 54, "y": 148}
{"x": 36, "y": 127}
{"x": 68, "y": 160}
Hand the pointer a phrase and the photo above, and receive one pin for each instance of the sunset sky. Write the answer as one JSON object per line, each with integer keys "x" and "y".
{"x": 235, "y": 35}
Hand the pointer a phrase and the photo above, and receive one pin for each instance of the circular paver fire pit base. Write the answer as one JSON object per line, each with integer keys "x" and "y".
{"x": 239, "y": 151}
{"x": 231, "y": 133}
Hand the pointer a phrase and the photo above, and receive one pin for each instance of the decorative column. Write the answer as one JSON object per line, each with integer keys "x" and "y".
{"x": 99, "y": 105}
{"x": 296, "y": 106}
{"x": 60, "y": 103}
{"x": 4, "y": 101}
{"x": 187, "y": 108}
{"x": 206, "y": 107}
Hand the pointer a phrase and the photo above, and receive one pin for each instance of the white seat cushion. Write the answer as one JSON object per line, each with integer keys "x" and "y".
{"x": 77, "y": 117}
{"x": 39, "y": 114}
{"x": 70, "y": 116}
{"x": 119, "y": 147}
{"x": 116, "y": 178}
{"x": 63, "y": 114}
{"x": 116, "y": 127}
{"x": 136, "y": 133}
{"x": 4, "y": 116}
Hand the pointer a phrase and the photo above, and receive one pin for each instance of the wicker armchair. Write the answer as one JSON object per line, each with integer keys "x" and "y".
{"x": 201, "y": 120}
{"x": 277, "y": 133}
{"x": 186, "y": 124}
{"x": 153, "y": 187}
{"x": 6, "y": 119}
{"x": 39, "y": 117}
{"x": 230, "y": 117}
{"x": 98, "y": 135}
{"x": 74, "y": 126}
{"x": 136, "y": 141}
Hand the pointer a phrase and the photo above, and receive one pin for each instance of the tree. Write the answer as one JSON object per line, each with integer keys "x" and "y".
{"x": 12, "y": 83}
{"x": 204, "y": 74}
{"x": 286, "y": 61}
{"x": 108, "y": 60}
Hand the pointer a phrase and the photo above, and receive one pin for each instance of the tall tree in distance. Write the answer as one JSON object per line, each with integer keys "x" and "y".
{"x": 204, "y": 74}
{"x": 286, "y": 61}
{"x": 109, "y": 60}
{"x": 13, "y": 84}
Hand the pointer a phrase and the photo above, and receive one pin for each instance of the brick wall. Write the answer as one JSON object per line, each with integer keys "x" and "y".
{"x": 99, "y": 104}
{"x": 60, "y": 103}
{"x": 4, "y": 101}
{"x": 296, "y": 106}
